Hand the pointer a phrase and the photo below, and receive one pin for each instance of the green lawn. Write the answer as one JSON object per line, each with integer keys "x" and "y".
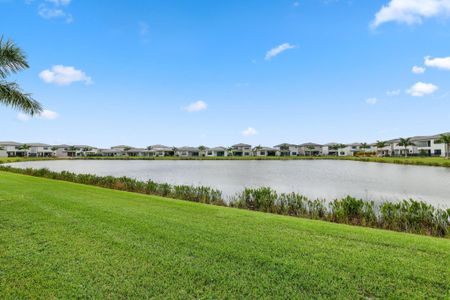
{"x": 64, "y": 240}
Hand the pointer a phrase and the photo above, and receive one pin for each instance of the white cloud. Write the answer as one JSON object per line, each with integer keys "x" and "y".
{"x": 393, "y": 93}
{"x": 196, "y": 106}
{"x": 418, "y": 70}
{"x": 249, "y": 131}
{"x": 45, "y": 115}
{"x": 278, "y": 50}
{"x": 421, "y": 89}
{"x": 441, "y": 63}
{"x": 63, "y": 75}
{"x": 23, "y": 117}
{"x": 49, "y": 13}
{"x": 411, "y": 11}
{"x": 50, "y": 9}
{"x": 372, "y": 101}
{"x": 59, "y": 2}
{"x": 48, "y": 115}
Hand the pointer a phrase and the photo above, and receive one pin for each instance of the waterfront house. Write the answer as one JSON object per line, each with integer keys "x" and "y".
{"x": 11, "y": 149}
{"x": 217, "y": 152}
{"x": 350, "y": 149}
{"x": 241, "y": 150}
{"x": 310, "y": 149}
{"x": 265, "y": 151}
{"x": 329, "y": 149}
{"x": 133, "y": 152}
{"x": 161, "y": 150}
{"x": 187, "y": 152}
{"x": 287, "y": 149}
{"x": 113, "y": 152}
{"x": 40, "y": 150}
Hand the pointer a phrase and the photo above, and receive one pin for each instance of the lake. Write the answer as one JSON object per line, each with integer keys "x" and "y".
{"x": 327, "y": 179}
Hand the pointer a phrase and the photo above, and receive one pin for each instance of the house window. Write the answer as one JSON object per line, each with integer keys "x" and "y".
{"x": 437, "y": 152}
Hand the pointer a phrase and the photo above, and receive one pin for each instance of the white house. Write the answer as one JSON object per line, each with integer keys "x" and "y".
{"x": 310, "y": 149}
{"x": 187, "y": 152}
{"x": 217, "y": 152}
{"x": 11, "y": 149}
{"x": 241, "y": 149}
{"x": 328, "y": 149}
{"x": 287, "y": 149}
{"x": 40, "y": 150}
{"x": 161, "y": 150}
{"x": 265, "y": 151}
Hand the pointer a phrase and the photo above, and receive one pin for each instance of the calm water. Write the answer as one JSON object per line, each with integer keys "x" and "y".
{"x": 316, "y": 179}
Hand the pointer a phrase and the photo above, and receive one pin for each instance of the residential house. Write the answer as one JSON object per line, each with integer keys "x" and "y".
{"x": 133, "y": 152}
{"x": 286, "y": 149}
{"x": 40, "y": 150}
{"x": 113, "y": 152}
{"x": 241, "y": 150}
{"x": 328, "y": 149}
{"x": 12, "y": 149}
{"x": 187, "y": 152}
{"x": 265, "y": 151}
{"x": 217, "y": 152}
{"x": 350, "y": 149}
{"x": 161, "y": 150}
{"x": 310, "y": 149}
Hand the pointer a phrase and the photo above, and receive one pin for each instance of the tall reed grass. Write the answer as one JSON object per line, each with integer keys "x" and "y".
{"x": 407, "y": 216}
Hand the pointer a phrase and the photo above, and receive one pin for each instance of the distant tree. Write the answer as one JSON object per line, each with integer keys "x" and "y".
{"x": 201, "y": 148}
{"x": 127, "y": 149}
{"x": 364, "y": 146}
{"x": 2, "y": 148}
{"x": 149, "y": 148}
{"x": 445, "y": 139}
{"x": 13, "y": 60}
{"x": 405, "y": 142}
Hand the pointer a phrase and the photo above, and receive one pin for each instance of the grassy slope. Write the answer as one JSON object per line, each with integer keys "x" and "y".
{"x": 62, "y": 240}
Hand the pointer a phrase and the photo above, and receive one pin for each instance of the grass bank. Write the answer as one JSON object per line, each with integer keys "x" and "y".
{"x": 407, "y": 215}
{"x": 65, "y": 240}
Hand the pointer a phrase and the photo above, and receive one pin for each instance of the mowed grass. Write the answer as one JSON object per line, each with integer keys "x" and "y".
{"x": 64, "y": 240}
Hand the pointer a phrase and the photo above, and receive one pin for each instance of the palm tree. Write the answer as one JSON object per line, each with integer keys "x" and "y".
{"x": 310, "y": 148}
{"x": 405, "y": 142}
{"x": 364, "y": 146}
{"x": 445, "y": 139}
{"x": 381, "y": 145}
{"x": 73, "y": 150}
{"x": 25, "y": 147}
{"x": 336, "y": 148}
{"x": 13, "y": 60}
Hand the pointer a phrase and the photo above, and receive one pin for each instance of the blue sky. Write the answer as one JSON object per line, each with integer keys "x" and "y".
{"x": 221, "y": 72}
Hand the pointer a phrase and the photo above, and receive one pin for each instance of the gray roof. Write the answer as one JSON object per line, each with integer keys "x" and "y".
{"x": 331, "y": 144}
{"x": 241, "y": 145}
{"x": 136, "y": 150}
{"x": 38, "y": 145}
{"x": 310, "y": 144}
{"x": 110, "y": 151}
{"x": 219, "y": 148}
{"x": 186, "y": 148}
{"x": 121, "y": 146}
{"x": 263, "y": 148}
{"x": 10, "y": 144}
{"x": 286, "y": 144}
{"x": 160, "y": 148}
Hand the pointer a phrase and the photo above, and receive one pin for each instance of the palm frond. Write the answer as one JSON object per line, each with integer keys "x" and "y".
{"x": 12, "y": 58}
{"x": 12, "y": 95}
